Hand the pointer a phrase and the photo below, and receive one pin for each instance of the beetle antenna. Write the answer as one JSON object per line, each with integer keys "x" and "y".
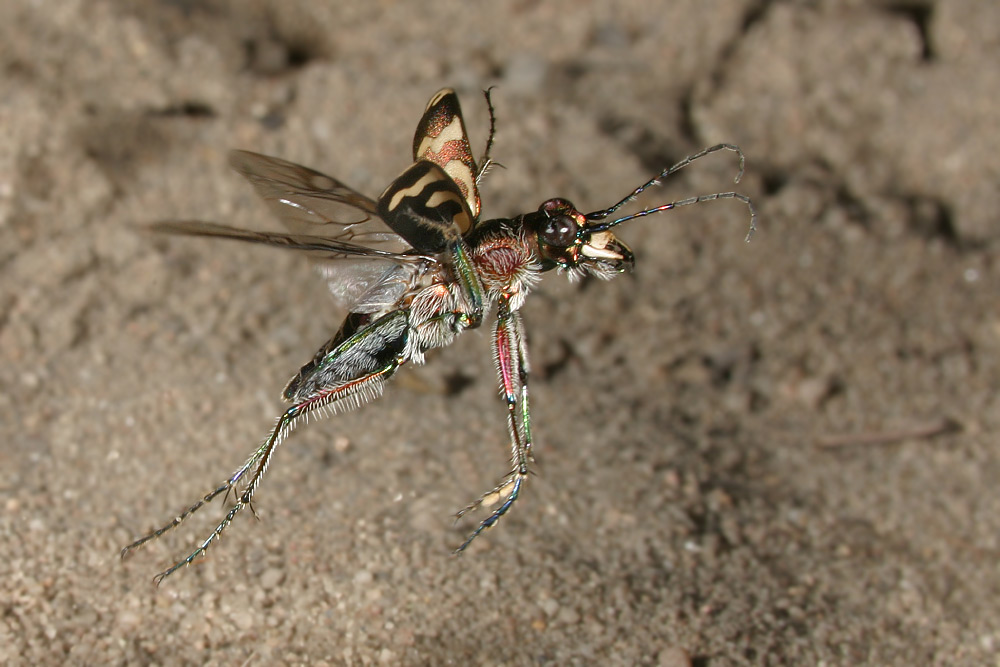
{"x": 658, "y": 179}
{"x": 486, "y": 161}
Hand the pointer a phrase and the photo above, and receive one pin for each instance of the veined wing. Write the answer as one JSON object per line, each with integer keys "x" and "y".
{"x": 319, "y": 247}
{"x": 363, "y": 280}
{"x": 366, "y": 265}
{"x": 311, "y": 203}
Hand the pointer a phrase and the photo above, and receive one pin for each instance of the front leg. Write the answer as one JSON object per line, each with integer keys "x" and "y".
{"x": 511, "y": 356}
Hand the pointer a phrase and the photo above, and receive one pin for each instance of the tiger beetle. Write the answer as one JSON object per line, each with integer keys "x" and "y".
{"x": 414, "y": 269}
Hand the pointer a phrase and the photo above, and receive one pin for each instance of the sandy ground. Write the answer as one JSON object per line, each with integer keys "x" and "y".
{"x": 781, "y": 452}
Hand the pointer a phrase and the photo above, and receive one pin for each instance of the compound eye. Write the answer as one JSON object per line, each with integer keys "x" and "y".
{"x": 559, "y": 231}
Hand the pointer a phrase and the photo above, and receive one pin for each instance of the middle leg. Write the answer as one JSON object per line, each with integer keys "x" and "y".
{"x": 511, "y": 356}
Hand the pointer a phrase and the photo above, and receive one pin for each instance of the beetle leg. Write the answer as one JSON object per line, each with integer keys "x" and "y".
{"x": 355, "y": 371}
{"x": 511, "y": 356}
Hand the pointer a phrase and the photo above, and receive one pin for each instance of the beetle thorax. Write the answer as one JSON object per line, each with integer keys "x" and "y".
{"x": 505, "y": 260}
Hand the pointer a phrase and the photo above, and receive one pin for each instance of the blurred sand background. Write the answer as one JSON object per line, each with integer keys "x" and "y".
{"x": 776, "y": 453}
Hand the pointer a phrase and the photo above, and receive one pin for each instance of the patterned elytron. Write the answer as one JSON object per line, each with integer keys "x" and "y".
{"x": 414, "y": 269}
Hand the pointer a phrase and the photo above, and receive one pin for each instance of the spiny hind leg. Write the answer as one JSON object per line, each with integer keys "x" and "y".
{"x": 353, "y": 372}
{"x": 356, "y": 390}
{"x": 226, "y": 487}
{"x": 258, "y": 462}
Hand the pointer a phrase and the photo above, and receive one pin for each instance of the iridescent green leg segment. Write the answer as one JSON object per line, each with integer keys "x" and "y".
{"x": 511, "y": 355}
